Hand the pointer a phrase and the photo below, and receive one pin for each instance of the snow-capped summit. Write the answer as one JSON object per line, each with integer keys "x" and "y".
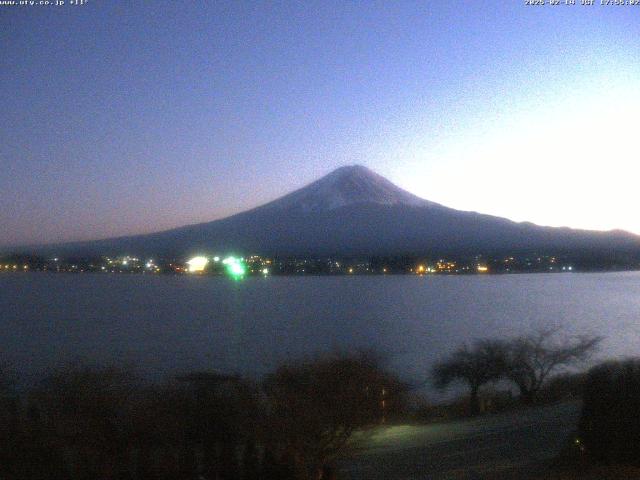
{"x": 349, "y": 185}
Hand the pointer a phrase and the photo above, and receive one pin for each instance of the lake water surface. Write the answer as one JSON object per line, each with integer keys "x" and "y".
{"x": 168, "y": 324}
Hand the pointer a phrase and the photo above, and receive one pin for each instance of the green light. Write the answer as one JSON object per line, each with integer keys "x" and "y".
{"x": 234, "y": 267}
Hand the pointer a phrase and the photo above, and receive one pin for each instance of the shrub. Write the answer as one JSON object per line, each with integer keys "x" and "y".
{"x": 316, "y": 406}
{"x": 566, "y": 386}
{"x": 610, "y": 423}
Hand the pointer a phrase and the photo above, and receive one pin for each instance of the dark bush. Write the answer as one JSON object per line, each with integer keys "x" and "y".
{"x": 610, "y": 423}
{"x": 316, "y": 406}
{"x": 106, "y": 423}
{"x": 566, "y": 386}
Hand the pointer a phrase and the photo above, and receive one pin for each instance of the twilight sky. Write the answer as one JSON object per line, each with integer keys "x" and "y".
{"x": 130, "y": 117}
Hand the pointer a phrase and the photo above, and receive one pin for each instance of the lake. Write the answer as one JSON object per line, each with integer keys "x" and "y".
{"x": 168, "y": 324}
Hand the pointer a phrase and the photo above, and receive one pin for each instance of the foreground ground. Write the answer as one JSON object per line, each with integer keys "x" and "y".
{"x": 503, "y": 446}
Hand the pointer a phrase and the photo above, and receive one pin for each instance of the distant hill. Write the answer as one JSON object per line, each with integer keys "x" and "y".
{"x": 354, "y": 211}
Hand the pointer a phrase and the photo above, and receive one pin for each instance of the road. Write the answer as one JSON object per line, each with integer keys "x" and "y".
{"x": 508, "y": 445}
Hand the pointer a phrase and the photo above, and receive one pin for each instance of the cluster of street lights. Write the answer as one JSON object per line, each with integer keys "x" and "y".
{"x": 234, "y": 266}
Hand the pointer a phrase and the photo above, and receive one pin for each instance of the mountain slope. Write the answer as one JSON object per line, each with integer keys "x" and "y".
{"x": 353, "y": 211}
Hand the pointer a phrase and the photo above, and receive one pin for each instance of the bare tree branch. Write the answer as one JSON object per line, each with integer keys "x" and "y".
{"x": 476, "y": 365}
{"x": 530, "y": 359}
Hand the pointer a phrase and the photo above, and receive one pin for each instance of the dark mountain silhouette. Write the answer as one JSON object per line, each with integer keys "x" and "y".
{"x": 354, "y": 211}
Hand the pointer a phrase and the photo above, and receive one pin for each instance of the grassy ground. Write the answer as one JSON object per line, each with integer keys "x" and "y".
{"x": 594, "y": 473}
{"x": 497, "y": 447}
{"x": 524, "y": 444}
{"x": 571, "y": 465}
{"x": 558, "y": 470}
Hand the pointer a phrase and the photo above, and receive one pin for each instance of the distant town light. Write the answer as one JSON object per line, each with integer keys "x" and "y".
{"x": 265, "y": 271}
{"x": 483, "y": 268}
{"x": 216, "y": 259}
{"x": 197, "y": 264}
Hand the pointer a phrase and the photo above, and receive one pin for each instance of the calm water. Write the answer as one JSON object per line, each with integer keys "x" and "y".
{"x": 167, "y": 324}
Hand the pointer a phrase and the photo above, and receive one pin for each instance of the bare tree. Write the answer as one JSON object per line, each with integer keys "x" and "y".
{"x": 316, "y": 406}
{"x": 476, "y": 366}
{"x": 530, "y": 359}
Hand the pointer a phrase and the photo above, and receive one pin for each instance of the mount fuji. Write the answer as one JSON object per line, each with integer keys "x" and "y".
{"x": 354, "y": 211}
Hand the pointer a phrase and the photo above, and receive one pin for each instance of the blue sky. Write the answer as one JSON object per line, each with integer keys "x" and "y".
{"x": 122, "y": 117}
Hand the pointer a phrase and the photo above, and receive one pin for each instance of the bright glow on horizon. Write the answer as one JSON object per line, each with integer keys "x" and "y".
{"x": 569, "y": 162}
